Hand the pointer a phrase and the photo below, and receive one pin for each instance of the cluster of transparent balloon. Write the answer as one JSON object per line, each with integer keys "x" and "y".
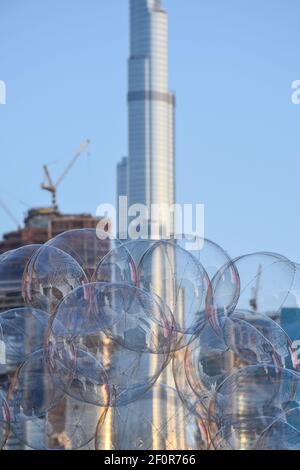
{"x": 166, "y": 344}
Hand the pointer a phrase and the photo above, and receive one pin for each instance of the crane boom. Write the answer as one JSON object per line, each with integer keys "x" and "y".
{"x": 79, "y": 152}
{"x": 48, "y": 177}
{"x": 9, "y": 213}
{"x": 49, "y": 185}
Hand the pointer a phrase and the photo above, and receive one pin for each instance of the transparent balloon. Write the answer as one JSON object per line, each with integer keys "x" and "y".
{"x": 207, "y": 361}
{"x": 147, "y": 344}
{"x": 211, "y": 256}
{"x": 193, "y": 403}
{"x": 176, "y": 276}
{"x": 88, "y": 246}
{"x": 71, "y": 424}
{"x": 242, "y": 435}
{"x": 251, "y": 392}
{"x": 12, "y": 266}
{"x": 283, "y": 433}
{"x": 49, "y": 276}
{"x": 78, "y": 331}
{"x": 256, "y": 338}
{"x": 157, "y": 421}
{"x": 117, "y": 266}
{"x": 32, "y": 392}
{"x": 128, "y": 315}
{"x": 23, "y": 331}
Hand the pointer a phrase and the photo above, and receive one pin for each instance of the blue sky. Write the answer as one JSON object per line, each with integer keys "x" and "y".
{"x": 238, "y": 134}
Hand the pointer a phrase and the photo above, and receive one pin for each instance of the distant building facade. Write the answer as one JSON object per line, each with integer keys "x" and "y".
{"x": 43, "y": 224}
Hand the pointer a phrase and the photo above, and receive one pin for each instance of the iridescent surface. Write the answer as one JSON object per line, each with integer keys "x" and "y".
{"x": 148, "y": 344}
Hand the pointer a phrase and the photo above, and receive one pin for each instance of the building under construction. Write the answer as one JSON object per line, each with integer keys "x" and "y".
{"x": 42, "y": 224}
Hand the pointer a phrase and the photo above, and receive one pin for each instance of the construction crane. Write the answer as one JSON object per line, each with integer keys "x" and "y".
{"x": 10, "y": 214}
{"x": 52, "y": 187}
{"x": 255, "y": 290}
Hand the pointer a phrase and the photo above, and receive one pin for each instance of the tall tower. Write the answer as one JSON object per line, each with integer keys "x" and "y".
{"x": 147, "y": 175}
{"x": 122, "y": 190}
{"x": 151, "y": 153}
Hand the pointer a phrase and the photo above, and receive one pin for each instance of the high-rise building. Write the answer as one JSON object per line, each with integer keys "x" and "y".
{"x": 150, "y": 177}
{"x": 147, "y": 176}
{"x": 122, "y": 190}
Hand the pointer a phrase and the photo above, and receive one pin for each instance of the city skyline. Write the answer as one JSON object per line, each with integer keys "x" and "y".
{"x": 232, "y": 69}
{"x": 149, "y": 345}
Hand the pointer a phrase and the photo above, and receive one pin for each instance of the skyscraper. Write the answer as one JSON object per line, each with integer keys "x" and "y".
{"x": 150, "y": 174}
{"x": 147, "y": 176}
{"x": 151, "y": 157}
{"x": 122, "y": 185}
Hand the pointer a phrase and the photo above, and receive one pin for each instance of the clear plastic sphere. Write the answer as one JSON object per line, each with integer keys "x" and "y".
{"x": 293, "y": 298}
{"x": 207, "y": 362}
{"x": 105, "y": 373}
{"x": 242, "y": 435}
{"x": 211, "y": 256}
{"x": 137, "y": 248}
{"x": 126, "y": 314}
{"x": 32, "y": 392}
{"x": 283, "y": 433}
{"x": 290, "y": 311}
{"x": 256, "y": 338}
{"x": 180, "y": 280}
{"x": 49, "y": 276}
{"x": 79, "y": 325}
{"x": 71, "y": 424}
{"x": 116, "y": 266}
{"x": 89, "y": 382}
{"x": 87, "y": 246}
{"x": 250, "y": 392}
{"x": 196, "y": 405}
{"x": 157, "y": 421}
{"x": 22, "y": 331}
{"x": 220, "y": 270}
{"x": 107, "y": 324}
{"x": 225, "y": 287}
{"x": 265, "y": 282}
{"x": 12, "y": 266}
{"x": 259, "y": 282}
